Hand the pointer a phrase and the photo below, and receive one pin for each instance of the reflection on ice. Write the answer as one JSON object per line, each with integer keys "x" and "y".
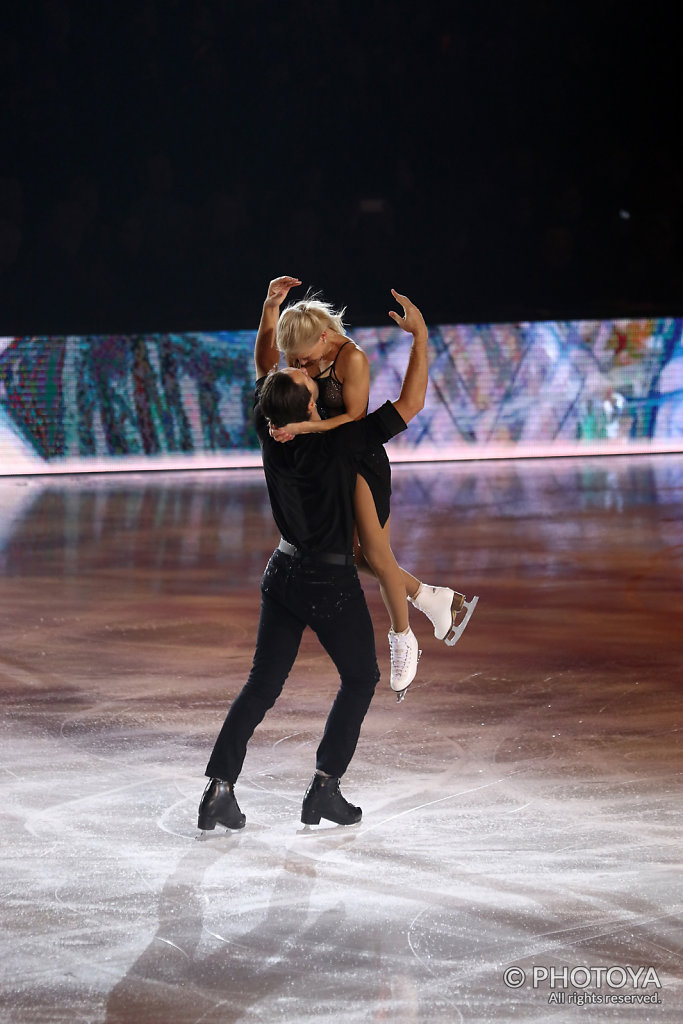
{"x": 520, "y": 810}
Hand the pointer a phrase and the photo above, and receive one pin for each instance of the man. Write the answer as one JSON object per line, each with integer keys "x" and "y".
{"x": 311, "y": 579}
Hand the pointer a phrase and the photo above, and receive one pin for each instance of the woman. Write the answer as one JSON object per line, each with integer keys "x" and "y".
{"x": 311, "y": 335}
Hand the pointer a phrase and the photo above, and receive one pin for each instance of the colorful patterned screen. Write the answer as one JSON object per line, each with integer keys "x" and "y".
{"x": 113, "y": 402}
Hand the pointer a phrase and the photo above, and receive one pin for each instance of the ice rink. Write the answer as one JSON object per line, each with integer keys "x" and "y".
{"x": 519, "y": 856}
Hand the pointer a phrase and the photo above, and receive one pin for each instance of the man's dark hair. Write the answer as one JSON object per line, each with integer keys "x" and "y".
{"x": 282, "y": 400}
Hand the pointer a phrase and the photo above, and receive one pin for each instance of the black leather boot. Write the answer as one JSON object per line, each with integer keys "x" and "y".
{"x": 324, "y": 800}
{"x": 219, "y": 807}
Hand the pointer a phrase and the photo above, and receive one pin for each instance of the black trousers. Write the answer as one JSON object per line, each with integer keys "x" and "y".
{"x": 330, "y": 600}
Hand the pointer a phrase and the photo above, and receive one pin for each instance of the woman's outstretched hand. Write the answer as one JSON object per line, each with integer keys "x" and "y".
{"x": 412, "y": 319}
{"x": 278, "y": 289}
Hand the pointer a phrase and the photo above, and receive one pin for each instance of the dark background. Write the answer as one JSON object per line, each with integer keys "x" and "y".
{"x": 162, "y": 160}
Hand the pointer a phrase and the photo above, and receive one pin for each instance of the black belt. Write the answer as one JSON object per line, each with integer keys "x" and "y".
{"x": 314, "y": 556}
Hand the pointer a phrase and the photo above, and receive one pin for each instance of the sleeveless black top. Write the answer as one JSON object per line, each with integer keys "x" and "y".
{"x": 330, "y": 388}
{"x": 374, "y": 465}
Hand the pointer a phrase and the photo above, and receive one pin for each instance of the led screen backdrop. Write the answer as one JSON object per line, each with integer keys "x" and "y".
{"x": 73, "y": 404}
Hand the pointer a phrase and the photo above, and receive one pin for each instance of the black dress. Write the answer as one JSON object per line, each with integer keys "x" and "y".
{"x": 374, "y": 465}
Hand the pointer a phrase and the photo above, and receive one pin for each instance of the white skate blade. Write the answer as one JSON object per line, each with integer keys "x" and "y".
{"x": 457, "y": 631}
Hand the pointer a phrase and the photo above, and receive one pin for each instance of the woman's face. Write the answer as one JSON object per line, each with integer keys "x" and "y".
{"x": 315, "y": 354}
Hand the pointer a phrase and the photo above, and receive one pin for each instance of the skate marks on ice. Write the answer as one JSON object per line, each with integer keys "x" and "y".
{"x": 522, "y": 807}
{"x": 259, "y": 921}
{"x": 459, "y": 897}
{"x": 457, "y": 869}
{"x": 244, "y": 949}
{"x": 463, "y": 872}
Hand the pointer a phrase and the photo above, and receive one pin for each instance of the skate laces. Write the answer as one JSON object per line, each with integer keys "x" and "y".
{"x": 401, "y": 649}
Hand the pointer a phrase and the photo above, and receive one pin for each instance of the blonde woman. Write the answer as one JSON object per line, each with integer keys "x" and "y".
{"x": 312, "y": 336}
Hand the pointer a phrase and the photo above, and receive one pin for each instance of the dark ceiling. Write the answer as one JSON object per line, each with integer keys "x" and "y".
{"x": 162, "y": 160}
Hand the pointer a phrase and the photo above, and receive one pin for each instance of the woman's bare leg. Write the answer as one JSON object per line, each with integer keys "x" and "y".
{"x": 376, "y": 552}
{"x": 411, "y": 583}
{"x": 373, "y": 553}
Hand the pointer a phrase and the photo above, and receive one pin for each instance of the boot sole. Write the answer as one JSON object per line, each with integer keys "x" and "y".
{"x": 313, "y": 818}
{"x": 316, "y": 821}
{"x": 209, "y": 824}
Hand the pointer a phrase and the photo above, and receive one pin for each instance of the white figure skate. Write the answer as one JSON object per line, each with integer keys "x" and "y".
{"x": 442, "y": 606}
{"x": 404, "y": 658}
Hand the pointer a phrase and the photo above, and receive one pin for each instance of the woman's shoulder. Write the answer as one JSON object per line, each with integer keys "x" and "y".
{"x": 350, "y": 358}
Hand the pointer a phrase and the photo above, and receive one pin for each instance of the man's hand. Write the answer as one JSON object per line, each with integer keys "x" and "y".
{"x": 412, "y": 320}
{"x": 278, "y": 289}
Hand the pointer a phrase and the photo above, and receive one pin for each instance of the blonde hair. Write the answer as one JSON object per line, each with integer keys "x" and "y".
{"x": 301, "y": 324}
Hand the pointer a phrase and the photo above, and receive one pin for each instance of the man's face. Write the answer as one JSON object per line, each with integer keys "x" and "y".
{"x": 301, "y": 376}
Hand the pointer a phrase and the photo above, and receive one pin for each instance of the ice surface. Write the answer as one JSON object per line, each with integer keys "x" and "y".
{"x": 522, "y": 806}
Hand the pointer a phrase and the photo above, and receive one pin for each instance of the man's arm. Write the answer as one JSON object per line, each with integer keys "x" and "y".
{"x": 266, "y": 352}
{"x": 414, "y": 388}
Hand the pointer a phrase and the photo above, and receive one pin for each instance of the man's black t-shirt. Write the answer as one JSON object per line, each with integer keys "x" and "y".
{"x": 311, "y": 479}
